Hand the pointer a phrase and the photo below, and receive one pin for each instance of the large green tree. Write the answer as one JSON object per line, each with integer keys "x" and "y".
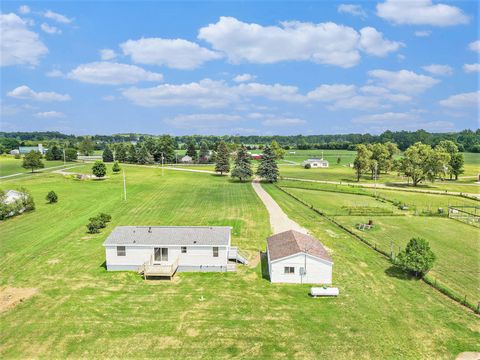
{"x": 86, "y": 146}
{"x": 99, "y": 169}
{"x": 192, "y": 150}
{"x": 166, "y": 146}
{"x": 143, "y": 156}
{"x": 70, "y": 154}
{"x": 203, "y": 156}
{"x": 455, "y": 165}
{"x": 132, "y": 154}
{"x": 243, "y": 168}
{"x": 268, "y": 168}
{"x": 107, "y": 155}
{"x": 277, "y": 150}
{"x": 54, "y": 153}
{"x": 222, "y": 164}
{"x": 32, "y": 161}
{"x": 121, "y": 152}
{"x": 362, "y": 161}
{"x": 417, "y": 257}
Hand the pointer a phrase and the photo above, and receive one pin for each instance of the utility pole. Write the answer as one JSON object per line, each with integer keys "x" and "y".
{"x": 124, "y": 187}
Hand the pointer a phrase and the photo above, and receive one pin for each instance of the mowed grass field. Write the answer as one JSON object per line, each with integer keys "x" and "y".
{"x": 82, "y": 311}
{"x": 9, "y": 165}
{"x": 455, "y": 244}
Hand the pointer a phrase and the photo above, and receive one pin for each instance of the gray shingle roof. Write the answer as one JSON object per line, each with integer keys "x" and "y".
{"x": 169, "y": 235}
{"x": 293, "y": 242}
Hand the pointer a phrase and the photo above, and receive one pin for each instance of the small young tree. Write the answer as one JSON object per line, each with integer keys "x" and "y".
{"x": 339, "y": 160}
{"x": 99, "y": 169}
{"x": 417, "y": 257}
{"x": 268, "y": 169}
{"x": 107, "y": 155}
{"x": 222, "y": 164}
{"x": 52, "y": 197}
{"x": 116, "y": 167}
{"x": 243, "y": 168}
{"x": 33, "y": 160}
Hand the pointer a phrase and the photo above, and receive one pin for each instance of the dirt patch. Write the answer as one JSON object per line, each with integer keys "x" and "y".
{"x": 253, "y": 262}
{"x": 87, "y": 237}
{"x": 468, "y": 355}
{"x": 192, "y": 332}
{"x": 53, "y": 261}
{"x": 331, "y": 233}
{"x": 11, "y": 297}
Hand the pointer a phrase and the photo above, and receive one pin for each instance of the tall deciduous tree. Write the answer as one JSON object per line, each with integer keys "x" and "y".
{"x": 268, "y": 169}
{"x": 54, "y": 153}
{"x": 203, "y": 156}
{"x": 191, "y": 150}
{"x": 86, "y": 146}
{"x": 277, "y": 150}
{"x": 222, "y": 164}
{"x": 32, "y": 161}
{"x": 455, "y": 165}
{"x": 70, "y": 154}
{"x": 167, "y": 146}
{"x": 107, "y": 155}
{"x": 243, "y": 168}
{"x": 143, "y": 156}
{"x": 362, "y": 160}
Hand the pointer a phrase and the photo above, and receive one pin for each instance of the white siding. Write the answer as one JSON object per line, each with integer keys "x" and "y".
{"x": 195, "y": 255}
{"x": 317, "y": 271}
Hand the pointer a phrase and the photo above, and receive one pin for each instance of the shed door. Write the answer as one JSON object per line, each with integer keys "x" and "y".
{"x": 161, "y": 254}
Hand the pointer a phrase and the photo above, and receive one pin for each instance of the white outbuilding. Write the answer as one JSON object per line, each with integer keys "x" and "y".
{"x": 316, "y": 163}
{"x": 186, "y": 159}
{"x": 298, "y": 258}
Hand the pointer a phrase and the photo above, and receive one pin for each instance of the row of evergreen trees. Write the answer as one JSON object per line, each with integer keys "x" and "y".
{"x": 242, "y": 170}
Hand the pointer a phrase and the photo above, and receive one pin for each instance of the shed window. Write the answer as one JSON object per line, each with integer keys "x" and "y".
{"x": 121, "y": 251}
{"x": 215, "y": 251}
{"x": 184, "y": 249}
{"x": 289, "y": 270}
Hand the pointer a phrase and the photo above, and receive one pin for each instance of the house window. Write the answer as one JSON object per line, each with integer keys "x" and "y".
{"x": 215, "y": 251}
{"x": 184, "y": 249}
{"x": 289, "y": 270}
{"x": 121, "y": 251}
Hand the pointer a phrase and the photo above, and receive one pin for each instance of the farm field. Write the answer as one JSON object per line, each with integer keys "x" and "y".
{"x": 9, "y": 165}
{"x": 455, "y": 244}
{"x": 81, "y": 310}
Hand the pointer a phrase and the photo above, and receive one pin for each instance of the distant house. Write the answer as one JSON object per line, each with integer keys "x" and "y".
{"x": 164, "y": 250}
{"x": 186, "y": 159}
{"x": 14, "y": 152}
{"x": 26, "y": 149}
{"x": 256, "y": 156}
{"x": 316, "y": 163}
{"x": 294, "y": 257}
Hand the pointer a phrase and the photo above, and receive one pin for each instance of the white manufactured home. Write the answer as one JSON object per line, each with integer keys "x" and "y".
{"x": 164, "y": 250}
{"x": 298, "y": 258}
{"x": 316, "y": 163}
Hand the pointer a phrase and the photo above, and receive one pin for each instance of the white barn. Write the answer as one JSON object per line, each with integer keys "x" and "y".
{"x": 186, "y": 159}
{"x": 298, "y": 258}
{"x": 316, "y": 163}
{"x": 175, "y": 248}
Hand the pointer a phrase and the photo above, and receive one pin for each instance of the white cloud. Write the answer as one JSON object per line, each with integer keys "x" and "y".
{"x": 359, "y": 102}
{"x": 24, "y": 92}
{"x": 204, "y": 94}
{"x": 332, "y": 92}
{"x": 24, "y": 9}
{"x": 174, "y": 53}
{"x": 470, "y": 68}
{"x": 108, "y": 73}
{"x": 437, "y": 69}
{"x": 372, "y": 42}
{"x": 404, "y": 81}
{"x": 50, "y": 29}
{"x": 283, "y": 122}
{"x": 54, "y": 73}
{"x": 108, "y": 98}
{"x": 421, "y": 12}
{"x": 423, "y": 33}
{"x": 462, "y": 100}
{"x": 57, "y": 17}
{"x": 274, "y": 92}
{"x": 107, "y": 54}
{"x": 385, "y": 117}
{"x": 355, "y": 10}
{"x": 244, "y": 78}
{"x": 474, "y": 46}
{"x": 50, "y": 114}
{"x": 203, "y": 121}
{"x": 324, "y": 43}
{"x": 18, "y": 45}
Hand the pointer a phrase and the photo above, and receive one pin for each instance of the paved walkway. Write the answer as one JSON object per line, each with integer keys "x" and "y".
{"x": 279, "y": 221}
{"x": 383, "y": 186}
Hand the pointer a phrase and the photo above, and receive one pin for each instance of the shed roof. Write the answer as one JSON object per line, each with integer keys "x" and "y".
{"x": 293, "y": 242}
{"x": 316, "y": 160}
{"x": 169, "y": 235}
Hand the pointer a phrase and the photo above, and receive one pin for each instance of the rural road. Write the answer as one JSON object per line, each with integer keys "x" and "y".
{"x": 383, "y": 186}
{"x": 279, "y": 221}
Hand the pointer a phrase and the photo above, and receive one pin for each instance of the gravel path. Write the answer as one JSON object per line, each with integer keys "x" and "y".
{"x": 279, "y": 221}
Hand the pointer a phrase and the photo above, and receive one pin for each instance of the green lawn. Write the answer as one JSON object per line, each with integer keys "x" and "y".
{"x": 83, "y": 311}
{"x": 9, "y": 165}
{"x": 455, "y": 244}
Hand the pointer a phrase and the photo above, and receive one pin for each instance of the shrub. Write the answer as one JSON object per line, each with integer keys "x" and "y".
{"x": 417, "y": 258}
{"x": 99, "y": 169}
{"x": 52, "y": 197}
{"x": 98, "y": 222}
{"x": 104, "y": 217}
{"x": 93, "y": 228}
{"x": 116, "y": 167}
{"x": 308, "y": 166}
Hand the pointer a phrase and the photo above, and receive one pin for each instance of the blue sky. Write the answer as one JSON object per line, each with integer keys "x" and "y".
{"x": 239, "y": 67}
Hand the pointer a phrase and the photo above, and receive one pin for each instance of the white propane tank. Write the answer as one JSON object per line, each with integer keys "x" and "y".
{"x": 321, "y": 291}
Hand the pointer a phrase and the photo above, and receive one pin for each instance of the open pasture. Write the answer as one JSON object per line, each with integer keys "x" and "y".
{"x": 81, "y": 310}
{"x": 9, "y": 165}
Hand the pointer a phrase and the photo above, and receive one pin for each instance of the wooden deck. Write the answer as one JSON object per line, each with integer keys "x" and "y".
{"x": 160, "y": 270}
